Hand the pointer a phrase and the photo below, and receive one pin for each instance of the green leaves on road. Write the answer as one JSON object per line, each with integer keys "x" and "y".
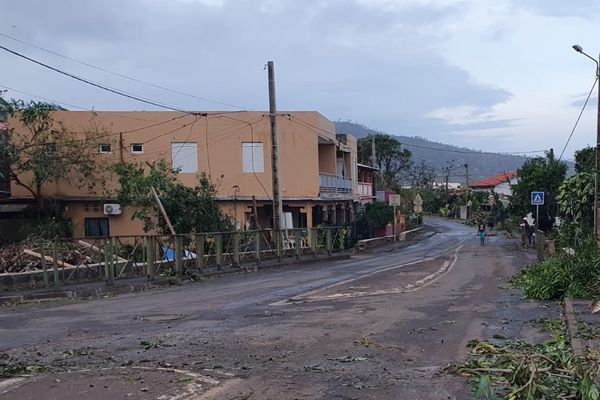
{"x": 517, "y": 370}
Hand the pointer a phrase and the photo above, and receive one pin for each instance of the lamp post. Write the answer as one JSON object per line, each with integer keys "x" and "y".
{"x": 579, "y": 49}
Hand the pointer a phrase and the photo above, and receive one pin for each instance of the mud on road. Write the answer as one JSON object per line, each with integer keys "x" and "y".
{"x": 295, "y": 334}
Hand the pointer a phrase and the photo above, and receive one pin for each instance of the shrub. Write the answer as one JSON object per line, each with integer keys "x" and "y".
{"x": 564, "y": 275}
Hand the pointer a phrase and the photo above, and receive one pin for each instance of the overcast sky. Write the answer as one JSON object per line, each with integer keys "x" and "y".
{"x": 494, "y": 75}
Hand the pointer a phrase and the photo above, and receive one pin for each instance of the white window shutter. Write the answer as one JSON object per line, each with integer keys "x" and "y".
{"x": 253, "y": 158}
{"x": 184, "y": 156}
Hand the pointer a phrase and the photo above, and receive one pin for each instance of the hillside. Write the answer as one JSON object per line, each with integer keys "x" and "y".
{"x": 481, "y": 164}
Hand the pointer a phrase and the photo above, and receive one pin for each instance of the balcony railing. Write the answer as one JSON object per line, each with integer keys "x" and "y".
{"x": 334, "y": 185}
{"x": 365, "y": 189}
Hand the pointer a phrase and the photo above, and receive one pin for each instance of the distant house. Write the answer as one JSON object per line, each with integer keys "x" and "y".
{"x": 366, "y": 177}
{"x": 501, "y": 183}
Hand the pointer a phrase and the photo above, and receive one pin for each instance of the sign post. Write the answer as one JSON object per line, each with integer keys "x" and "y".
{"x": 537, "y": 200}
{"x": 394, "y": 200}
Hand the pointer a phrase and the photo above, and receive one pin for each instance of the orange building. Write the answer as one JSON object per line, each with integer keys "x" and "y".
{"x": 318, "y": 169}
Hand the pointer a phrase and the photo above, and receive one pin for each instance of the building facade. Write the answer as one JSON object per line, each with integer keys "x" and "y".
{"x": 318, "y": 169}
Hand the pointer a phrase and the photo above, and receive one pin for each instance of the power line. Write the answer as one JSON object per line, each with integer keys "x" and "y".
{"x": 578, "y": 118}
{"x": 100, "y": 86}
{"x": 253, "y": 171}
{"x": 122, "y": 75}
{"x": 45, "y": 98}
{"x": 306, "y": 123}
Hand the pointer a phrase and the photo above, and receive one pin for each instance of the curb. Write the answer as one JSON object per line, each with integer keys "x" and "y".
{"x": 576, "y": 343}
{"x": 147, "y": 285}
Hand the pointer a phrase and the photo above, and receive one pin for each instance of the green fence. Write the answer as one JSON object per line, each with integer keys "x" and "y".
{"x": 180, "y": 256}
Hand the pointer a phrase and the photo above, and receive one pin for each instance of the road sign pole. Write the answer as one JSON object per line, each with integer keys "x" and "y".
{"x": 394, "y": 227}
{"x": 537, "y": 218}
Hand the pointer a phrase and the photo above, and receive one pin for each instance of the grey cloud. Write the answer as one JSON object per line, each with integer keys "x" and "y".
{"x": 338, "y": 57}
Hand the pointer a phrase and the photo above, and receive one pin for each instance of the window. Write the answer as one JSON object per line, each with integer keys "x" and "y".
{"x": 137, "y": 148}
{"x": 96, "y": 227}
{"x": 253, "y": 158}
{"x": 104, "y": 149}
{"x": 91, "y": 207}
{"x": 184, "y": 157}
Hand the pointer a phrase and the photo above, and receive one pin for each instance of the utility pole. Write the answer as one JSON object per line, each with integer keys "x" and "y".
{"x": 597, "y": 197}
{"x": 277, "y": 202}
{"x": 121, "y": 147}
{"x": 579, "y": 49}
{"x": 467, "y": 175}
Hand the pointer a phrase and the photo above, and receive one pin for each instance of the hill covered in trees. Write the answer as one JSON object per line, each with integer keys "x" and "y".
{"x": 440, "y": 155}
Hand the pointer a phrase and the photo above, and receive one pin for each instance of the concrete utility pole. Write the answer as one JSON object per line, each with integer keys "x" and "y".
{"x": 579, "y": 49}
{"x": 277, "y": 202}
{"x": 467, "y": 175}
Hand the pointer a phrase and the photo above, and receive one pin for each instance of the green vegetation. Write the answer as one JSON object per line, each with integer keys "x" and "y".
{"x": 42, "y": 151}
{"x": 576, "y": 200}
{"x": 189, "y": 209}
{"x": 391, "y": 159}
{"x": 563, "y": 275}
{"x": 517, "y": 370}
{"x": 575, "y": 270}
{"x": 378, "y": 214}
{"x": 538, "y": 174}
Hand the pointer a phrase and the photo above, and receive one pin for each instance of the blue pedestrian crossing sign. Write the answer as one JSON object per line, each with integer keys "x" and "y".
{"x": 537, "y": 198}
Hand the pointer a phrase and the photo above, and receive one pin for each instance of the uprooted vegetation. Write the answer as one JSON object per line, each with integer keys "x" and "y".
{"x": 564, "y": 275}
{"x": 517, "y": 370}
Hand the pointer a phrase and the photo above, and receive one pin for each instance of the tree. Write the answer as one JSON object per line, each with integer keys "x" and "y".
{"x": 576, "y": 200}
{"x": 585, "y": 160}
{"x": 390, "y": 157}
{"x": 191, "y": 210}
{"x": 422, "y": 175}
{"x": 538, "y": 174}
{"x": 41, "y": 151}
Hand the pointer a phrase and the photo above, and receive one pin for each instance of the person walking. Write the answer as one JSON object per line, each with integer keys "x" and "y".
{"x": 481, "y": 232}
{"x": 525, "y": 235}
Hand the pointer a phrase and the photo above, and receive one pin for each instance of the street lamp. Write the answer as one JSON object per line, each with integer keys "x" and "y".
{"x": 579, "y": 49}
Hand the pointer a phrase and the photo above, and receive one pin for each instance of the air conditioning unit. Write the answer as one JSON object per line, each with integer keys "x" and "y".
{"x": 112, "y": 209}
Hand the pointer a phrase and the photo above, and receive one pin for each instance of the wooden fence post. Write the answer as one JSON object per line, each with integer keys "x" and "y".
{"x": 44, "y": 268}
{"x": 218, "y": 238}
{"x": 150, "y": 271}
{"x": 55, "y": 264}
{"x": 178, "y": 257}
{"x": 200, "y": 253}
{"x": 257, "y": 247}
{"x": 236, "y": 249}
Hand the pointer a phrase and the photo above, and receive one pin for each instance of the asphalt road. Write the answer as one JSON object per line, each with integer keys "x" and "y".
{"x": 379, "y": 326}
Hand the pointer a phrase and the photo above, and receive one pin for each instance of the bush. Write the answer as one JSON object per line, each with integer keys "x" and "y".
{"x": 564, "y": 275}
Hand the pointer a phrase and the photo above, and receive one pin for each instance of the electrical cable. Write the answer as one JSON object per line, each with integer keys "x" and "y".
{"x": 45, "y": 98}
{"x": 97, "y": 85}
{"x": 122, "y": 75}
{"x": 579, "y": 117}
{"x": 253, "y": 171}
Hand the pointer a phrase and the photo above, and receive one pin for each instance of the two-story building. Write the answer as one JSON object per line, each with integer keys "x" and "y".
{"x": 318, "y": 170}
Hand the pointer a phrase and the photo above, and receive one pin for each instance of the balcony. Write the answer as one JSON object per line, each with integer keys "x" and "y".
{"x": 365, "y": 189}
{"x": 332, "y": 186}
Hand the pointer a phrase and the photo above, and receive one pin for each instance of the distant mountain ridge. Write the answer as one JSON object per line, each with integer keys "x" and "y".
{"x": 481, "y": 164}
